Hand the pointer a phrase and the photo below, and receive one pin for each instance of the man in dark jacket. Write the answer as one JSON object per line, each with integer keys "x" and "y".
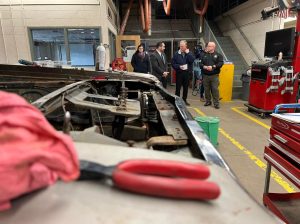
{"x": 159, "y": 63}
{"x": 211, "y": 64}
{"x": 182, "y": 62}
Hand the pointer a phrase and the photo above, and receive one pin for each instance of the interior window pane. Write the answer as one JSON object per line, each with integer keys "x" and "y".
{"x": 48, "y": 44}
{"x": 83, "y": 44}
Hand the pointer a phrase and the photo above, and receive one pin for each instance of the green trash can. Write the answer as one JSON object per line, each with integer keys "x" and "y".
{"x": 210, "y": 126}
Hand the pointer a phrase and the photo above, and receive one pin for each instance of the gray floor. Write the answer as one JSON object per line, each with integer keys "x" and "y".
{"x": 241, "y": 143}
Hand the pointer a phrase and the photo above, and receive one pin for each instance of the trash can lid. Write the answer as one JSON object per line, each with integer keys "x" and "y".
{"x": 207, "y": 119}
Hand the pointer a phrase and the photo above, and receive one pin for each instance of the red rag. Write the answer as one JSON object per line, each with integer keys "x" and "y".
{"x": 33, "y": 154}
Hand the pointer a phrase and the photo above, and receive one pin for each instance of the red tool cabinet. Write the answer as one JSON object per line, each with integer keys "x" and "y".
{"x": 272, "y": 83}
{"x": 283, "y": 154}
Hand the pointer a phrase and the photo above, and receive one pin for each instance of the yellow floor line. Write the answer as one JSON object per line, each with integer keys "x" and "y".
{"x": 199, "y": 112}
{"x": 278, "y": 179}
{"x": 237, "y": 109}
{"x": 286, "y": 186}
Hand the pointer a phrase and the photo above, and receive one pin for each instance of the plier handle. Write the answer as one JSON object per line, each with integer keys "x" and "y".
{"x": 157, "y": 177}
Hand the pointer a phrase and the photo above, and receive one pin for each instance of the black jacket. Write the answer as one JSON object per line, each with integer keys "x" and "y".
{"x": 211, "y": 59}
{"x": 199, "y": 54}
{"x": 158, "y": 65}
{"x": 179, "y": 60}
{"x": 141, "y": 65}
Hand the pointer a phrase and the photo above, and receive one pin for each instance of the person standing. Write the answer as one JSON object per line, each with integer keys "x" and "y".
{"x": 159, "y": 63}
{"x": 197, "y": 70}
{"x": 211, "y": 64}
{"x": 141, "y": 61}
{"x": 182, "y": 62}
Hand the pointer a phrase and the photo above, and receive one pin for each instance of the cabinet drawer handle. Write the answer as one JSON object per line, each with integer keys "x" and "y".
{"x": 279, "y": 138}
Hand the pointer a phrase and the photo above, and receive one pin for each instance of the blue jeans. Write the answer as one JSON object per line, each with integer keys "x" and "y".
{"x": 198, "y": 76}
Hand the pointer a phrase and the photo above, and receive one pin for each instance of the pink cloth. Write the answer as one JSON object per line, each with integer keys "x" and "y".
{"x": 33, "y": 154}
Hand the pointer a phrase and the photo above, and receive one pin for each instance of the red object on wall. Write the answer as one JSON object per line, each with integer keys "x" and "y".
{"x": 119, "y": 64}
{"x": 261, "y": 80}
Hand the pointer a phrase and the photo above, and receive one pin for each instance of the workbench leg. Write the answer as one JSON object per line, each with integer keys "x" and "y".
{"x": 268, "y": 176}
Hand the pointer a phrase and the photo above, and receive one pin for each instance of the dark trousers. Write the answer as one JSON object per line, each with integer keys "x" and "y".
{"x": 163, "y": 81}
{"x": 202, "y": 90}
{"x": 211, "y": 87}
{"x": 182, "y": 79}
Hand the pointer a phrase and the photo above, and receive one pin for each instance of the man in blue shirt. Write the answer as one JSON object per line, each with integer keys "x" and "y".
{"x": 182, "y": 62}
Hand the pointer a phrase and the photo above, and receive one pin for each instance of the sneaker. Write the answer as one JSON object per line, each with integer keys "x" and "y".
{"x": 207, "y": 104}
{"x": 186, "y": 103}
{"x": 217, "y": 106}
{"x": 202, "y": 99}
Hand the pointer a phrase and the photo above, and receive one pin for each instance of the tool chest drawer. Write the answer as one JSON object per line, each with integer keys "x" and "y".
{"x": 284, "y": 139}
{"x": 285, "y": 150}
{"x": 289, "y": 129}
{"x": 287, "y": 167}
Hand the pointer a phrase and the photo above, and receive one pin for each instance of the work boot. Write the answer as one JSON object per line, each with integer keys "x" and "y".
{"x": 217, "y": 106}
{"x": 186, "y": 103}
{"x": 207, "y": 104}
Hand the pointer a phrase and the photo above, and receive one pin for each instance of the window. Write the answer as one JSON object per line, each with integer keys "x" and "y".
{"x": 82, "y": 45}
{"x": 111, "y": 15}
{"x": 49, "y": 44}
{"x": 75, "y": 46}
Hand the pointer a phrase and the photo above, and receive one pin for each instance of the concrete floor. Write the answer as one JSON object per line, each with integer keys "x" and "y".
{"x": 241, "y": 143}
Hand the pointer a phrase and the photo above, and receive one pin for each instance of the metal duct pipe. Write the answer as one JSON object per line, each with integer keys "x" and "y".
{"x": 142, "y": 14}
{"x": 145, "y": 10}
{"x": 146, "y": 5}
{"x": 203, "y": 10}
{"x": 167, "y": 6}
{"x": 149, "y": 17}
{"x": 125, "y": 19}
{"x": 200, "y": 13}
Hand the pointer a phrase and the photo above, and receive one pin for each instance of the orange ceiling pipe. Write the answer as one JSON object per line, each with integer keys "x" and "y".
{"x": 142, "y": 14}
{"x": 149, "y": 17}
{"x": 146, "y": 6}
{"x": 167, "y": 6}
{"x": 125, "y": 19}
{"x": 202, "y": 11}
{"x": 145, "y": 11}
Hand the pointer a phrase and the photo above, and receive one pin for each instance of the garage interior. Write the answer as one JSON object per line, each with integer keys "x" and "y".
{"x": 47, "y": 38}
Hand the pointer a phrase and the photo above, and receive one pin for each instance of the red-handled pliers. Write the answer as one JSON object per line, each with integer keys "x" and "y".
{"x": 156, "y": 177}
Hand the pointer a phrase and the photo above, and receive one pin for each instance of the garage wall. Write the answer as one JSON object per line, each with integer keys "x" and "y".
{"x": 247, "y": 18}
{"x": 20, "y": 15}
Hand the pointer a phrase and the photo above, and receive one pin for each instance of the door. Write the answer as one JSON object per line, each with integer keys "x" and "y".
{"x": 126, "y": 45}
{"x": 112, "y": 46}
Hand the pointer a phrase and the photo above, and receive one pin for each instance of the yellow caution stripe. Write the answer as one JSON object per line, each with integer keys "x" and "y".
{"x": 277, "y": 178}
{"x": 199, "y": 112}
{"x": 286, "y": 186}
{"x": 237, "y": 109}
